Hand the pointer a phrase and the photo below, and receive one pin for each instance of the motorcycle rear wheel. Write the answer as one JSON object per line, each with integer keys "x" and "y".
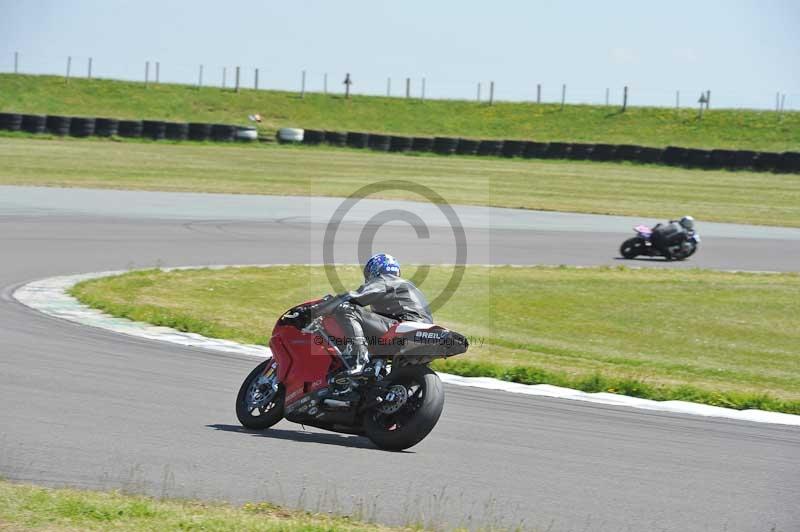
{"x": 259, "y": 408}
{"x": 415, "y": 419}
{"x": 631, "y": 248}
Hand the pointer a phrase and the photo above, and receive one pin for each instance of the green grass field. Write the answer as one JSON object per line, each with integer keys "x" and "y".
{"x": 728, "y": 339}
{"x": 737, "y": 129}
{"x": 25, "y": 507}
{"x": 572, "y": 186}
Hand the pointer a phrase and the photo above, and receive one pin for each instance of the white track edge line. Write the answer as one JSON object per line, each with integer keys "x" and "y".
{"x": 50, "y": 297}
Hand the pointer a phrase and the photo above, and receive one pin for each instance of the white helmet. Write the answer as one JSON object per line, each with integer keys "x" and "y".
{"x": 687, "y": 222}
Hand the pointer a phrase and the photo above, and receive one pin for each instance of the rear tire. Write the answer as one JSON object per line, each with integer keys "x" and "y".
{"x": 272, "y": 411}
{"x": 630, "y": 248}
{"x": 416, "y": 418}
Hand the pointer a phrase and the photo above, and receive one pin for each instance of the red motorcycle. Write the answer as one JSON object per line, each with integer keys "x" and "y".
{"x": 396, "y": 401}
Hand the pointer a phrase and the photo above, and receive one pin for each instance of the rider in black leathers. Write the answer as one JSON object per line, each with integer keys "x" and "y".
{"x": 391, "y": 298}
{"x": 672, "y": 233}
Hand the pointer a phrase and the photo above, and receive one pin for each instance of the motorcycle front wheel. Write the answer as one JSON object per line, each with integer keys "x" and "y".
{"x": 259, "y": 404}
{"x": 631, "y": 248}
{"x": 413, "y": 406}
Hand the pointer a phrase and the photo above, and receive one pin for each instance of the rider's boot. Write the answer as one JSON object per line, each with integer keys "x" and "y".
{"x": 358, "y": 355}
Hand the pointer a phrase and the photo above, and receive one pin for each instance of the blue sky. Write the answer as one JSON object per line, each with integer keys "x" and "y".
{"x": 743, "y": 51}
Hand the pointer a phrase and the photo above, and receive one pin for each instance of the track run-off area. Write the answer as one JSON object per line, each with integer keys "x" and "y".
{"x": 90, "y": 408}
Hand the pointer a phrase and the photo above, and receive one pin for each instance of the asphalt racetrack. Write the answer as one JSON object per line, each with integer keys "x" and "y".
{"x": 84, "y": 407}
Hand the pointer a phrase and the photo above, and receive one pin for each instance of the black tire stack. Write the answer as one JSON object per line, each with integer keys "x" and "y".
{"x": 379, "y": 142}
{"x": 627, "y": 152}
{"x": 490, "y": 148}
{"x": 357, "y": 139}
{"x": 445, "y": 145}
{"x": 535, "y": 150}
{"x": 336, "y": 138}
{"x": 10, "y": 121}
{"x": 313, "y": 137}
{"x": 512, "y": 148}
{"x": 421, "y": 144}
{"x": 176, "y": 131}
{"x": 675, "y": 156}
{"x": 580, "y": 152}
{"x": 222, "y": 132}
{"x": 603, "y": 152}
{"x": 33, "y": 123}
{"x": 400, "y": 144}
{"x": 58, "y": 125}
{"x": 106, "y": 127}
{"x": 467, "y": 146}
{"x": 81, "y": 127}
{"x": 557, "y": 150}
{"x": 129, "y": 128}
{"x": 199, "y": 131}
{"x": 649, "y": 155}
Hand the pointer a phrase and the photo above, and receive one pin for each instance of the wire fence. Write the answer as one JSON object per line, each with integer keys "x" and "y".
{"x": 305, "y": 81}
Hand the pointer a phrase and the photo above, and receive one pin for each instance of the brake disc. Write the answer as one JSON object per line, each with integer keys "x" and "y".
{"x": 395, "y": 398}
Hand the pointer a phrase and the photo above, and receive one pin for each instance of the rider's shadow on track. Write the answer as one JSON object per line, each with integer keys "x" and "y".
{"x": 644, "y": 259}
{"x": 327, "y": 438}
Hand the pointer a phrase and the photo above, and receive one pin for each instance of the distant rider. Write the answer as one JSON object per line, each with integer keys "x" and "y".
{"x": 391, "y": 298}
{"x": 672, "y": 233}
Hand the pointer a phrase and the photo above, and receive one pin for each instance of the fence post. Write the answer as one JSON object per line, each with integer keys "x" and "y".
{"x": 408, "y": 87}
{"x": 777, "y": 101}
{"x": 158, "y": 72}
{"x": 388, "y": 87}
{"x": 563, "y": 95}
{"x": 325, "y": 83}
{"x": 16, "y": 62}
{"x": 607, "y": 91}
{"x": 625, "y": 99}
{"x": 146, "y": 73}
{"x": 783, "y": 101}
{"x": 491, "y": 92}
{"x": 423, "y": 90}
{"x": 479, "y": 92}
{"x": 255, "y": 80}
{"x": 200, "y": 77}
{"x": 708, "y": 99}
{"x": 89, "y": 70}
{"x": 236, "y": 81}
{"x": 677, "y": 99}
{"x": 538, "y": 93}
{"x": 303, "y": 84}
{"x": 69, "y": 67}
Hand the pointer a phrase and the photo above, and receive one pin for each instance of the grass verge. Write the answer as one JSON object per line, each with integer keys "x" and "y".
{"x": 26, "y": 507}
{"x": 726, "y": 339}
{"x": 569, "y": 186}
{"x": 652, "y": 126}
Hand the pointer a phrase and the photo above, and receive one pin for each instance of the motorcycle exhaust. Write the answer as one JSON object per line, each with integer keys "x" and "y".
{"x": 336, "y": 404}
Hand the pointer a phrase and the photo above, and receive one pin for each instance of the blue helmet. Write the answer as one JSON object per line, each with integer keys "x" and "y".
{"x": 381, "y": 263}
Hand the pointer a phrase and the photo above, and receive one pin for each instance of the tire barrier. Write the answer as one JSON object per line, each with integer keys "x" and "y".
{"x": 154, "y": 129}
{"x": 445, "y": 145}
{"x": 285, "y": 134}
{"x": 199, "y": 131}
{"x": 491, "y": 148}
{"x": 603, "y": 152}
{"x": 226, "y": 133}
{"x": 627, "y": 152}
{"x": 81, "y": 127}
{"x": 698, "y": 158}
{"x": 766, "y": 161}
{"x": 722, "y": 159}
{"x": 789, "y": 162}
{"x": 744, "y": 159}
{"x": 357, "y": 140}
{"x": 650, "y": 155}
{"x": 675, "y": 156}
{"x": 106, "y": 127}
{"x": 421, "y": 144}
{"x": 467, "y": 146}
{"x": 313, "y": 136}
{"x": 535, "y": 150}
{"x": 400, "y": 143}
{"x": 34, "y": 123}
{"x": 129, "y": 128}
{"x": 176, "y": 131}
{"x": 10, "y": 121}
{"x": 58, "y": 125}
{"x": 379, "y": 142}
{"x": 512, "y": 148}
{"x": 336, "y": 138}
{"x": 557, "y": 150}
{"x": 580, "y": 152}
